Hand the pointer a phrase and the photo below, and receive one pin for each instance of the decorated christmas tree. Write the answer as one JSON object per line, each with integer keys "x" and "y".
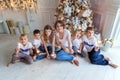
{"x": 75, "y": 13}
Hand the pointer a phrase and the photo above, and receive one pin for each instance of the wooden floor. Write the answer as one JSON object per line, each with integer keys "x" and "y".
{"x": 54, "y": 70}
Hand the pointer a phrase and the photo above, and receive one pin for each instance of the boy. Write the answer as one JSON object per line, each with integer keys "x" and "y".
{"x": 23, "y": 51}
{"x": 90, "y": 42}
{"x": 38, "y": 47}
{"x": 78, "y": 43}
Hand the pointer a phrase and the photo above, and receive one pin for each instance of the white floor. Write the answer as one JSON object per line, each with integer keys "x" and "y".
{"x": 54, "y": 70}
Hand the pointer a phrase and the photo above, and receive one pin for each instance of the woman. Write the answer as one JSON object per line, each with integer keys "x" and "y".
{"x": 63, "y": 39}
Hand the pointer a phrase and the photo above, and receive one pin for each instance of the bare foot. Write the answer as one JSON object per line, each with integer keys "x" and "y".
{"x": 71, "y": 62}
{"x": 34, "y": 57}
{"x": 9, "y": 64}
{"x": 113, "y": 65}
{"x": 76, "y": 62}
{"x": 18, "y": 60}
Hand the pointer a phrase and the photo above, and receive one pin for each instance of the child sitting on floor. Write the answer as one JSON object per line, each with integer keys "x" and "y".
{"x": 37, "y": 43}
{"x": 22, "y": 52}
{"x": 78, "y": 43}
{"x": 94, "y": 55}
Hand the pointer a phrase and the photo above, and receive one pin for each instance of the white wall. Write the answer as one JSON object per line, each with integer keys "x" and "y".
{"x": 108, "y": 11}
{"x": 44, "y": 15}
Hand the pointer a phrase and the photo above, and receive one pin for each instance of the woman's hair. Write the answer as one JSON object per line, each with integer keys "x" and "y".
{"x": 90, "y": 28}
{"x": 60, "y": 22}
{"x": 36, "y": 31}
{"x": 47, "y": 27}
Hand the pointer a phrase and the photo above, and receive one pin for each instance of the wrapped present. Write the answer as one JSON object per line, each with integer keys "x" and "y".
{"x": 11, "y": 26}
{"x": 17, "y": 30}
{"x": 20, "y": 26}
{"x": 26, "y": 29}
{"x": 108, "y": 43}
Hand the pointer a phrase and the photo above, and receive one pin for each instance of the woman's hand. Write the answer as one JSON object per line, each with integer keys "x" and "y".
{"x": 48, "y": 56}
{"x": 66, "y": 50}
{"x": 53, "y": 55}
{"x": 71, "y": 51}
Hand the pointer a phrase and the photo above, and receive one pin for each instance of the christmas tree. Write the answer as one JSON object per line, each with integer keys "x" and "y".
{"x": 75, "y": 13}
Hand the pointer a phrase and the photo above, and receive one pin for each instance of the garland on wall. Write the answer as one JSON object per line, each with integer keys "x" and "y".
{"x": 75, "y": 13}
{"x": 18, "y": 4}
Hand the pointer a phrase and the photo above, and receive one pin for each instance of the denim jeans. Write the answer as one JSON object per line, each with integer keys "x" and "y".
{"x": 97, "y": 58}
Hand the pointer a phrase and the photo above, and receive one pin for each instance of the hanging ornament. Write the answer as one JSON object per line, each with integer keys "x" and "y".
{"x": 75, "y": 13}
{"x": 86, "y": 13}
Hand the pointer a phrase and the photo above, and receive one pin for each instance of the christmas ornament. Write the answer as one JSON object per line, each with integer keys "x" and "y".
{"x": 76, "y": 14}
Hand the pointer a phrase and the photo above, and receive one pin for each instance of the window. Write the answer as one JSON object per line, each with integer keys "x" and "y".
{"x": 116, "y": 29}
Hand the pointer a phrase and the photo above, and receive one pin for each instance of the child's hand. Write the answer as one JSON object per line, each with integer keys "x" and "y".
{"x": 96, "y": 48}
{"x": 53, "y": 55}
{"x": 79, "y": 51}
{"x": 37, "y": 51}
{"x": 48, "y": 56}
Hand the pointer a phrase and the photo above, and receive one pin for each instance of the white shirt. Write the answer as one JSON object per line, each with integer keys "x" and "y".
{"x": 89, "y": 43}
{"x": 37, "y": 42}
{"x": 77, "y": 42}
{"x": 25, "y": 49}
{"x": 64, "y": 41}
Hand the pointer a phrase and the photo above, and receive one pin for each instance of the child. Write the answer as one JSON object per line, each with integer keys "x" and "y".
{"x": 48, "y": 42}
{"x": 90, "y": 43}
{"x": 77, "y": 43}
{"x": 37, "y": 43}
{"x": 23, "y": 51}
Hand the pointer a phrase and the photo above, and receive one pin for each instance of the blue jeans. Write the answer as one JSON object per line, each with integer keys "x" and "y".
{"x": 97, "y": 58}
{"x": 42, "y": 49}
{"x": 63, "y": 56}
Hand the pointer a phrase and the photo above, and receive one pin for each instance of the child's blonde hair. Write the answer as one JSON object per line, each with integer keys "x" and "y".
{"x": 22, "y": 35}
{"x": 77, "y": 30}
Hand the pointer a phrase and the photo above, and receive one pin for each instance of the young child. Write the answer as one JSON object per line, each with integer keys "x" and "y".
{"x": 94, "y": 55}
{"x": 23, "y": 51}
{"x": 78, "y": 43}
{"x": 48, "y": 42}
{"x": 37, "y": 43}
